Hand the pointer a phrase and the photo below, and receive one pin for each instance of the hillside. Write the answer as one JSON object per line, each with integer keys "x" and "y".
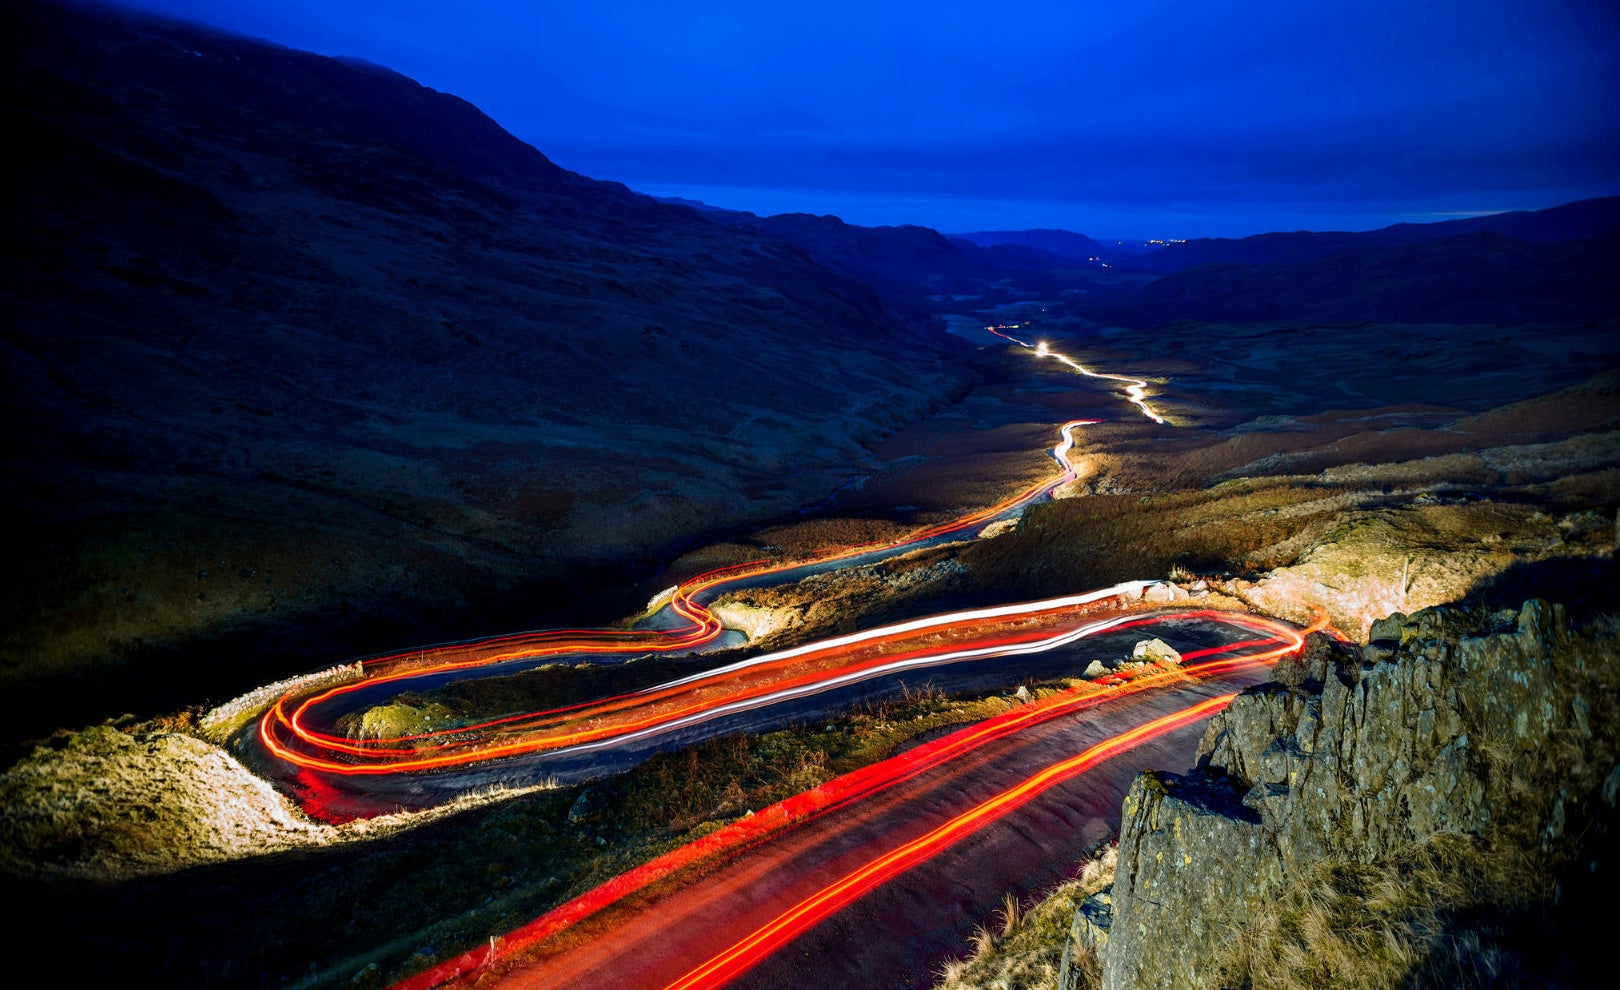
{"x": 306, "y": 359}
{"x": 1564, "y": 224}
{"x": 916, "y": 270}
{"x": 1481, "y": 277}
{"x": 1063, "y": 243}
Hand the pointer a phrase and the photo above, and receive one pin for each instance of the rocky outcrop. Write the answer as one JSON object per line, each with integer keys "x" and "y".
{"x": 106, "y": 804}
{"x": 1352, "y": 755}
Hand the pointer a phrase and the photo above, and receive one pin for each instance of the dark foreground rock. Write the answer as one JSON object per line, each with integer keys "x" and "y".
{"x": 1453, "y": 724}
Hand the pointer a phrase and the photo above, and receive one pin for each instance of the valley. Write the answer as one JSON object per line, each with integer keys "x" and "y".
{"x": 1354, "y": 538}
{"x": 438, "y": 568}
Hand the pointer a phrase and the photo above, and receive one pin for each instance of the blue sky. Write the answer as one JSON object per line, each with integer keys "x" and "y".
{"x": 1136, "y": 118}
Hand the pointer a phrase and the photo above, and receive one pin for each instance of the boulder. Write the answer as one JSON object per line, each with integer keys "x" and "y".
{"x": 590, "y": 803}
{"x": 1155, "y": 651}
{"x": 1159, "y": 592}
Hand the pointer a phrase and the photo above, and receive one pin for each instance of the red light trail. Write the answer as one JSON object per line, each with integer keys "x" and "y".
{"x": 296, "y": 729}
{"x": 285, "y": 730}
{"x": 1278, "y": 639}
{"x": 290, "y": 730}
{"x": 745, "y": 954}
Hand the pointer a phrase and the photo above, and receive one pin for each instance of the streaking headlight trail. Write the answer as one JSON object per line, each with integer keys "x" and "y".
{"x": 304, "y": 730}
{"x": 1135, "y": 388}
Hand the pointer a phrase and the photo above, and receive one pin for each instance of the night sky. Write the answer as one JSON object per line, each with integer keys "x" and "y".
{"x": 1134, "y": 118}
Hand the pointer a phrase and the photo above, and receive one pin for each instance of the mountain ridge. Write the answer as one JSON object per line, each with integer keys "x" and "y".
{"x": 1062, "y": 243}
{"x": 1567, "y": 222}
{"x": 1476, "y": 277}
{"x": 302, "y": 378}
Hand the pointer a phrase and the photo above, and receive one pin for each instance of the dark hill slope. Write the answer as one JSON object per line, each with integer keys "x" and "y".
{"x": 899, "y": 260}
{"x": 916, "y": 270}
{"x": 1063, "y": 243}
{"x": 1579, "y": 221}
{"x": 302, "y": 359}
{"x": 1478, "y": 277}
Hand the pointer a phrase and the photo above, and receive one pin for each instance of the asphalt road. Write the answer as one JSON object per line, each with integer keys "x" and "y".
{"x": 900, "y": 932}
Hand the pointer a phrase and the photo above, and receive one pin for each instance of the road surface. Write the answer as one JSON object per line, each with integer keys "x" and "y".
{"x": 913, "y": 851}
{"x": 870, "y": 880}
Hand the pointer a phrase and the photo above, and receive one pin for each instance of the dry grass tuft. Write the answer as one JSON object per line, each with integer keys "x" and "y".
{"x": 1368, "y": 925}
{"x": 1011, "y": 914}
{"x": 1025, "y": 950}
{"x": 983, "y": 941}
{"x": 1085, "y": 970}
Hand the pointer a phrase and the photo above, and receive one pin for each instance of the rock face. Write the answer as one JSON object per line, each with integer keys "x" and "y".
{"x": 1366, "y": 752}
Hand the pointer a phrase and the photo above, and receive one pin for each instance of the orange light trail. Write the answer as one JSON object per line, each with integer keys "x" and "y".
{"x": 744, "y": 955}
{"x": 1279, "y": 639}
{"x": 748, "y": 683}
{"x": 284, "y": 729}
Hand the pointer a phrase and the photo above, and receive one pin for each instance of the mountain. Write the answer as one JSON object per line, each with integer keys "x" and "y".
{"x": 1558, "y": 265}
{"x": 1481, "y": 277}
{"x": 917, "y": 271}
{"x": 910, "y": 263}
{"x": 1570, "y": 222}
{"x": 1016, "y": 257}
{"x": 695, "y": 204}
{"x": 906, "y": 263}
{"x": 305, "y": 359}
{"x": 1063, "y": 243}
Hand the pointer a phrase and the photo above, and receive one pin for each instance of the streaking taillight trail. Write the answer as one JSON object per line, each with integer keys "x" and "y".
{"x": 1279, "y": 640}
{"x": 742, "y": 956}
{"x": 297, "y": 729}
{"x": 286, "y": 732}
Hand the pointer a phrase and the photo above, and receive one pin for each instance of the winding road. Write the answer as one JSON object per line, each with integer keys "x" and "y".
{"x": 868, "y": 880}
{"x": 904, "y": 848}
{"x": 300, "y": 740}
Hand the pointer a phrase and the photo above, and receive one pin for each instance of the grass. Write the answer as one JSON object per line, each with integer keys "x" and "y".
{"x": 1244, "y": 526}
{"x": 1023, "y": 948}
{"x": 1102, "y": 539}
{"x": 780, "y": 616}
{"x": 487, "y": 869}
{"x": 1386, "y": 924}
{"x": 722, "y": 779}
{"x": 845, "y": 600}
{"x": 1248, "y": 499}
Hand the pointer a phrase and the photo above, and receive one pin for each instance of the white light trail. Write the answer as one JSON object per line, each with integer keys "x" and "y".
{"x": 1135, "y": 388}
